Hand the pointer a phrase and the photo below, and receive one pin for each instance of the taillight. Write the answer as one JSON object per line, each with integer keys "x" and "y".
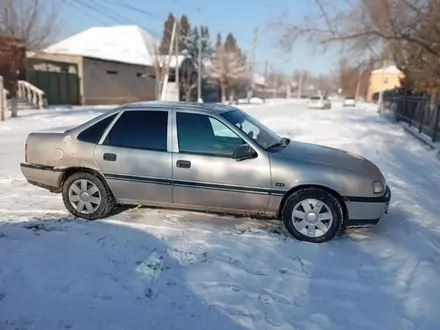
{"x": 25, "y": 153}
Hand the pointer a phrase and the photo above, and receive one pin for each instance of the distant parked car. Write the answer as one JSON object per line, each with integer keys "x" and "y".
{"x": 207, "y": 157}
{"x": 320, "y": 102}
{"x": 349, "y": 101}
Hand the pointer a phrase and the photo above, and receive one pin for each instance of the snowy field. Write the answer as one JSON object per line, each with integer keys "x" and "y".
{"x": 158, "y": 269}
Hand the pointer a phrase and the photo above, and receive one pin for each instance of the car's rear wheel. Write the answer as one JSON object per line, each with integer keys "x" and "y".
{"x": 313, "y": 215}
{"x": 87, "y": 196}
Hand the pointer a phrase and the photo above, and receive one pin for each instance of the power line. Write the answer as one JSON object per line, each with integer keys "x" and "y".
{"x": 97, "y": 9}
{"x": 110, "y": 14}
{"x": 132, "y": 8}
{"x": 84, "y": 12}
{"x": 186, "y": 5}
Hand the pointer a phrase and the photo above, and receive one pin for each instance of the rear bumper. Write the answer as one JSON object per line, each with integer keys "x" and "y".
{"x": 47, "y": 177}
{"x": 318, "y": 106}
{"x": 367, "y": 211}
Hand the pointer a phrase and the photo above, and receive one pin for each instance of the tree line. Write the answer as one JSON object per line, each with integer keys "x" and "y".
{"x": 223, "y": 63}
{"x": 376, "y": 33}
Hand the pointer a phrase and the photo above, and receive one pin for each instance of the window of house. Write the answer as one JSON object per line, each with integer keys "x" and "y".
{"x": 201, "y": 134}
{"x": 145, "y": 130}
{"x": 139, "y": 74}
{"x": 94, "y": 133}
{"x": 112, "y": 72}
{"x": 385, "y": 81}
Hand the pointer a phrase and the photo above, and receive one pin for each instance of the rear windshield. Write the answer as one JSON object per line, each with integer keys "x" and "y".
{"x": 315, "y": 98}
{"x": 349, "y": 98}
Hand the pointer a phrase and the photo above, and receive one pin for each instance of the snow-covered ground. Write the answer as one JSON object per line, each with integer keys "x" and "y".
{"x": 159, "y": 269}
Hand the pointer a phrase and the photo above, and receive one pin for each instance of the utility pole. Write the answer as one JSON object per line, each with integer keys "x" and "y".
{"x": 2, "y": 101}
{"x": 177, "y": 71}
{"x": 254, "y": 49}
{"x": 167, "y": 66}
{"x": 358, "y": 87}
{"x": 300, "y": 84}
{"x": 199, "y": 69}
{"x": 382, "y": 78}
{"x": 265, "y": 81}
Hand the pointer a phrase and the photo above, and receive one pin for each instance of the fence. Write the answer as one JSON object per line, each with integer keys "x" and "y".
{"x": 416, "y": 111}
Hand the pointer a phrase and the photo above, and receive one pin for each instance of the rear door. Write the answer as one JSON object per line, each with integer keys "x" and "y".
{"x": 134, "y": 157}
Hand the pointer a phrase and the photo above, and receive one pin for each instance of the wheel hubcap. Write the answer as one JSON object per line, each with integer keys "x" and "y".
{"x": 84, "y": 196}
{"x": 312, "y": 217}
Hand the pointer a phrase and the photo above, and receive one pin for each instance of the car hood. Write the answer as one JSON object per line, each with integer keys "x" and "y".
{"x": 327, "y": 155}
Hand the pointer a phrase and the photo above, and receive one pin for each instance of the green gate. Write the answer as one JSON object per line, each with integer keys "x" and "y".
{"x": 60, "y": 87}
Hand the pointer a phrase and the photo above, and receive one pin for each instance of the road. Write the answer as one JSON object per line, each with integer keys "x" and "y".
{"x": 239, "y": 273}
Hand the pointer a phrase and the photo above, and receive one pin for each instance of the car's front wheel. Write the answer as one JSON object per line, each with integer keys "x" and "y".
{"x": 86, "y": 196}
{"x": 313, "y": 214}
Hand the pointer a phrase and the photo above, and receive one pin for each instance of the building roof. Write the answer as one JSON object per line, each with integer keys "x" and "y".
{"x": 392, "y": 69}
{"x": 121, "y": 43}
{"x": 259, "y": 79}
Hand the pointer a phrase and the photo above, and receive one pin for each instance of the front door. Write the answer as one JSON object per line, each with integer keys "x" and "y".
{"x": 206, "y": 176}
{"x": 134, "y": 157}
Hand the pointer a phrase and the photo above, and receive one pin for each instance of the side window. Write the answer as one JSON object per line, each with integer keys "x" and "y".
{"x": 221, "y": 130}
{"x": 201, "y": 134}
{"x": 250, "y": 129}
{"x": 140, "y": 130}
{"x": 94, "y": 133}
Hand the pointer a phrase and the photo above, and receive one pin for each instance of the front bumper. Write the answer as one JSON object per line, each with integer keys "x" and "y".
{"x": 367, "y": 211}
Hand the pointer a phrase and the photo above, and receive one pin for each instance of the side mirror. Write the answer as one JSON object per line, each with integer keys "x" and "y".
{"x": 243, "y": 152}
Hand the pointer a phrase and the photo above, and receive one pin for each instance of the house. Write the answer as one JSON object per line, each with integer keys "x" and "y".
{"x": 12, "y": 61}
{"x": 101, "y": 65}
{"x": 382, "y": 80}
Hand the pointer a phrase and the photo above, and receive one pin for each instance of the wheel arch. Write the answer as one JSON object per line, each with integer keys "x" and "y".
{"x": 75, "y": 169}
{"x": 327, "y": 189}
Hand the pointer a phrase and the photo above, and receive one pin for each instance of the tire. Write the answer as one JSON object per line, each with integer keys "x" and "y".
{"x": 329, "y": 206}
{"x": 72, "y": 193}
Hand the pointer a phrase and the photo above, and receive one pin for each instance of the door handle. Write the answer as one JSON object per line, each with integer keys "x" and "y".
{"x": 183, "y": 164}
{"x": 109, "y": 157}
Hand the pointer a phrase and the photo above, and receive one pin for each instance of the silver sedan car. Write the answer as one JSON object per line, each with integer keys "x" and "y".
{"x": 205, "y": 157}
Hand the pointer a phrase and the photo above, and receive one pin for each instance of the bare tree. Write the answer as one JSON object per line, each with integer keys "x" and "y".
{"x": 406, "y": 31}
{"x": 361, "y": 25}
{"x": 33, "y": 21}
{"x": 159, "y": 68}
{"x": 26, "y": 25}
{"x": 161, "y": 64}
{"x": 188, "y": 79}
{"x": 227, "y": 68}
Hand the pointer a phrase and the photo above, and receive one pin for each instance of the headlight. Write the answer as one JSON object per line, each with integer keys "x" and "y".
{"x": 378, "y": 187}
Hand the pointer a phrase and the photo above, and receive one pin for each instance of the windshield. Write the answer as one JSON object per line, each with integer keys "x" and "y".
{"x": 262, "y": 135}
{"x": 315, "y": 98}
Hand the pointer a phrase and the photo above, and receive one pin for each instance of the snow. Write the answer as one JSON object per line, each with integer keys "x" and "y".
{"x": 389, "y": 69}
{"x": 121, "y": 43}
{"x": 160, "y": 269}
{"x": 388, "y": 113}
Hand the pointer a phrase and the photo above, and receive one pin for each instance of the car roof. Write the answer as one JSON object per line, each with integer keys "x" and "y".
{"x": 208, "y": 107}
